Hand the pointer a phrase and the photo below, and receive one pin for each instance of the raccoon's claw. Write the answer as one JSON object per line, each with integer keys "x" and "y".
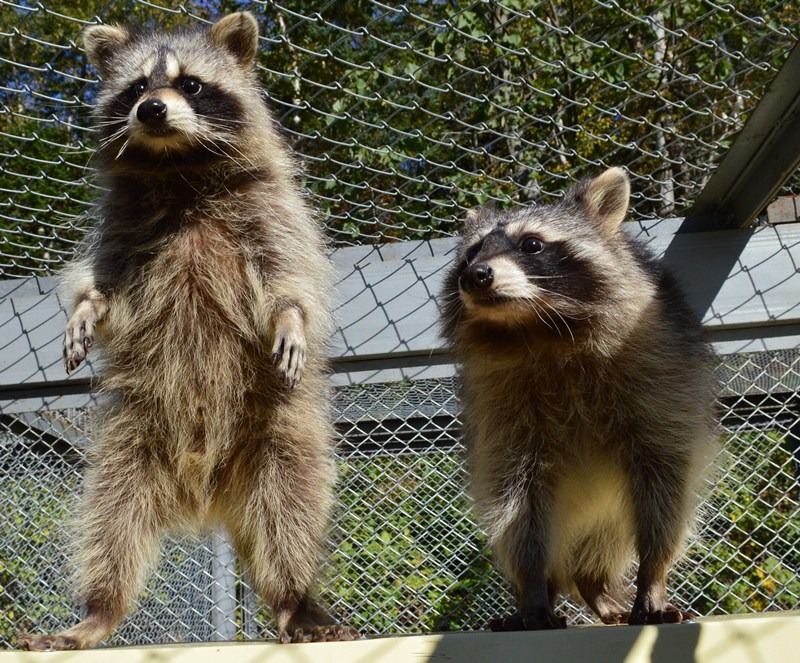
{"x": 326, "y": 633}
{"x": 667, "y": 614}
{"x": 289, "y": 347}
{"x": 78, "y": 338}
{"x": 615, "y": 618}
{"x": 290, "y": 364}
{"x": 538, "y": 621}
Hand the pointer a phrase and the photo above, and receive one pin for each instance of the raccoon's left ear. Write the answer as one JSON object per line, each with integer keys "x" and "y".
{"x": 476, "y": 218}
{"x": 472, "y": 220}
{"x": 237, "y": 33}
{"x": 604, "y": 199}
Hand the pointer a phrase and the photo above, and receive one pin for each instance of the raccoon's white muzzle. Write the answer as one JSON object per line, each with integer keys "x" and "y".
{"x": 486, "y": 287}
{"x": 163, "y": 120}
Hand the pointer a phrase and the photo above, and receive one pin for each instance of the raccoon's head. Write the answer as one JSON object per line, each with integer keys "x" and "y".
{"x": 182, "y": 95}
{"x": 546, "y": 269}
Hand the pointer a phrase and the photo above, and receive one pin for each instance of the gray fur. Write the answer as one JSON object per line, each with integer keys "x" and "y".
{"x": 587, "y": 393}
{"x": 205, "y": 283}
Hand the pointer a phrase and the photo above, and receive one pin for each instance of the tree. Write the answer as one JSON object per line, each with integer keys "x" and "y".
{"x": 406, "y": 115}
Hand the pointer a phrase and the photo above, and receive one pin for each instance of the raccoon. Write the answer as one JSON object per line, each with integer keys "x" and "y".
{"x": 205, "y": 283}
{"x": 588, "y": 403}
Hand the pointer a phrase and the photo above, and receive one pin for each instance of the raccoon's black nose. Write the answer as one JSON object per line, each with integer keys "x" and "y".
{"x": 477, "y": 277}
{"x": 151, "y": 111}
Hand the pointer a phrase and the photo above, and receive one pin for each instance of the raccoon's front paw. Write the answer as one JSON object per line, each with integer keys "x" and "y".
{"x": 79, "y": 336}
{"x": 289, "y": 346}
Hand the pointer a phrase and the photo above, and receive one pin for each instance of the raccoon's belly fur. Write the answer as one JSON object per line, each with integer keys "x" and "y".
{"x": 591, "y": 521}
{"x": 592, "y": 524}
{"x": 531, "y": 441}
{"x": 181, "y": 346}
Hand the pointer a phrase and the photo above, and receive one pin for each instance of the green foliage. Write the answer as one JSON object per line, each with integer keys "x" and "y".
{"x": 749, "y": 559}
{"x": 423, "y": 565}
{"x": 406, "y": 115}
{"x": 36, "y": 530}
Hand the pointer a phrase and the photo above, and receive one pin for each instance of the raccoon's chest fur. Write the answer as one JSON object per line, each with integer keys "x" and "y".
{"x": 180, "y": 329}
{"x": 549, "y": 430}
{"x": 539, "y": 401}
{"x": 553, "y": 416}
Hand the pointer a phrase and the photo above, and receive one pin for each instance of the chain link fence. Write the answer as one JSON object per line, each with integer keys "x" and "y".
{"x": 404, "y": 116}
{"x": 406, "y": 554}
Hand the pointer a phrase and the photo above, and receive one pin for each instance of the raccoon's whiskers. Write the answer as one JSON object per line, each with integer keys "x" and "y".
{"x": 561, "y": 317}
{"x": 540, "y": 311}
{"x": 213, "y": 136}
{"x": 119, "y": 133}
{"x": 214, "y": 143}
{"x": 122, "y": 149}
{"x": 567, "y": 299}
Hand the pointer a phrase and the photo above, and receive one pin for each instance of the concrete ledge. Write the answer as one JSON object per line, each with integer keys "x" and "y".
{"x": 740, "y": 639}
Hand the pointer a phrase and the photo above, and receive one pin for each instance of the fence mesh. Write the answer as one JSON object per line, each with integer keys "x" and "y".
{"x": 406, "y": 554}
{"x": 405, "y": 115}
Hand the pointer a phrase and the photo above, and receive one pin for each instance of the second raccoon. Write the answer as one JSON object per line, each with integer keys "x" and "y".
{"x": 587, "y": 396}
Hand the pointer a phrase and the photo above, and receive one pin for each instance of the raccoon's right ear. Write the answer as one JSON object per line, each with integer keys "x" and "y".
{"x": 101, "y": 43}
{"x": 238, "y": 34}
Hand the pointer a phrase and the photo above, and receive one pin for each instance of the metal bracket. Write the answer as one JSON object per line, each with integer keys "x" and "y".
{"x": 763, "y": 157}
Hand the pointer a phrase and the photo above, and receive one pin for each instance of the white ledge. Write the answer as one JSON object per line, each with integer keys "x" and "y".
{"x": 739, "y": 639}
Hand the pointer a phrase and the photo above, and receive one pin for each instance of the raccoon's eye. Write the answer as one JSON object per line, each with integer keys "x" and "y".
{"x": 473, "y": 252}
{"x": 531, "y": 244}
{"x": 191, "y": 85}
{"x": 138, "y": 88}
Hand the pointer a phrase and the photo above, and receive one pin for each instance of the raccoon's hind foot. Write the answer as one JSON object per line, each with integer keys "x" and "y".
{"x": 615, "y": 618}
{"x": 603, "y": 600}
{"x": 28, "y": 642}
{"x": 305, "y": 620}
{"x": 539, "y": 620}
{"x": 651, "y": 605}
{"x": 326, "y": 633}
{"x": 289, "y": 346}
{"x": 84, "y": 635}
{"x": 666, "y": 614}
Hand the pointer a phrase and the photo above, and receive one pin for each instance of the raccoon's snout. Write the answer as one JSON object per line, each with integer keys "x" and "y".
{"x": 151, "y": 111}
{"x": 479, "y": 276}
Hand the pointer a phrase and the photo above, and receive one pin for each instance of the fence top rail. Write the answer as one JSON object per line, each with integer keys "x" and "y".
{"x": 744, "y": 283}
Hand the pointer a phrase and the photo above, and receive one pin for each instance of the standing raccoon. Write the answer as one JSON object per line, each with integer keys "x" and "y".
{"x": 205, "y": 282}
{"x": 587, "y": 394}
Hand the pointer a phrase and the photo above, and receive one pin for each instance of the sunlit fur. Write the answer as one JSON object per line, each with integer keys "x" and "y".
{"x": 587, "y": 394}
{"x": 206, "y": 281}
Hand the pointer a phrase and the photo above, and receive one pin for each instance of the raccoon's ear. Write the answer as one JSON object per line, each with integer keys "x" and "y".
{"x": 604, "y": 199}
{"x": 471, "y": 221}
{"x": 101, "y": 43}
{"x": 476, "y": 218}
{"x": 237, "y": 33}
